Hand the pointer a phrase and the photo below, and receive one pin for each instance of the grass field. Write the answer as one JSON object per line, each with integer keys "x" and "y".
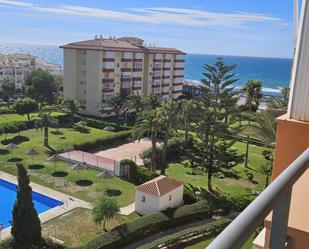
{"x": 234, "y": 184}
{"x": 33, "y": 139}
{"x": 77, "y": 227}
{"x": 7, "y": 118}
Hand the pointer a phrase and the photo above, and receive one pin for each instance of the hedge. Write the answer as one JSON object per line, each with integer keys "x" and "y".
{"x": 190, "y": 235}
{"x": 104, "y": 142}
{"x": 138, "y": 174}
{"x": 130, "y": 232}
{"x": 101, "y": 124}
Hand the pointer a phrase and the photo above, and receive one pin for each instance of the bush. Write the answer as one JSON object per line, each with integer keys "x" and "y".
{"x": 175, "y": 150}
{"x": 104, "y": 142}
{"x": 138, "y": 229}
{"x": 101, "y": 124}
{"x": 138, "y": 174}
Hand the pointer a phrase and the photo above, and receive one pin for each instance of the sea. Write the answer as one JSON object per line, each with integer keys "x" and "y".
{"x": 273, "y": 72}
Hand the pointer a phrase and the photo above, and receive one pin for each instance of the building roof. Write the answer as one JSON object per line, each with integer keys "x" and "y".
{"x": 126, "y": 44}
{"x": 159, "y": 186}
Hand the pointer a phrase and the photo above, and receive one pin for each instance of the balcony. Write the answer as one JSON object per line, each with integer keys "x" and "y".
{"x": 108, "y": 70}
{"x": 126, "y": 69}
{"x": 126, "y": 60}
{"x": 108, "y": 90}
{"x": 108, "y": 59}
{"x": 107, "y": 80}
{"x": 276, "y": 198}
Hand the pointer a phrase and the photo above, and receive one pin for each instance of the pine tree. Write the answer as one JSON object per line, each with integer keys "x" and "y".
{"x": 26, "y": 226}
{"x": 212, "y": 150}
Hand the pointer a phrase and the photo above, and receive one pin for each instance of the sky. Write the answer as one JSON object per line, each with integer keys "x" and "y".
{"x": 221, "y": 27}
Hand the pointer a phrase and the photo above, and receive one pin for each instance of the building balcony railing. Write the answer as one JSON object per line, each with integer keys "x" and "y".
{"x": 126, "y": 69}
{"x": 108, "y": 59}
{"x": 156, "y": 69}
{"x": 177, "y": 91}
{"x": 179, "y": 68}
{"x": 156, "y": 77}
{"x": 137, "y": 69}
{"x": 137, "y": 60}
{"x": 167, "y": 60}
{"x": 179, "y": 60}
{"x": 107, "y": 80}
{"x": 165, "y": 84}
{"x": 166, "y": 68}
{"x": 155, "y": 86}
{"x": 108, "y": 90}
{"x": 126, "y": 59}
{"x": 137, "y": 78}
{"x": 276, "y": 197}
{"x": 178, "y": 84}
{"x": 165, "y": 93}
{"x": 136, "y": 88}
{"x": 166, "y": 76}
{"x": 177, "y": 76}
{"x": 108, "y": 70}
{"x": 157, "y": 60}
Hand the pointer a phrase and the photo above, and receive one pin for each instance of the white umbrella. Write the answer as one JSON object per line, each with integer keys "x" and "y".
{"x": 32, "y": 153}
{"x": 105, "y": 174}
{"x": 11, "y": 146}
{"x": 54, "y": 158}
{"x": 79, "y": 166}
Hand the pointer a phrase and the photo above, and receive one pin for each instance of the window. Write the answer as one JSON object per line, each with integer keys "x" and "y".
{"x": 143, "y": 199}
{"x": 170, "y": 198}
{"x": 138, "y": 65}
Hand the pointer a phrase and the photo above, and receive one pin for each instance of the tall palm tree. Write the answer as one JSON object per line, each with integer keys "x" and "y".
{"x": 135, "y": 104}
{"x": 187, "y": 108}
{"x": 153, "y": 101}
{"x": 148, "y": 123}
{"x": 117, "y": 102}
{"x": 280, "y": 103}
{"x": 168, "y": 115}
{"x": 263, "y": 126}
{"x": 43, "y": 121}
{"x": 253, "y": 90}
{"x": 71, "y": 107}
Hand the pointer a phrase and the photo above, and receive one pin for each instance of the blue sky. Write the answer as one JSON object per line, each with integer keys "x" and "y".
{"x": 225, "y": 27}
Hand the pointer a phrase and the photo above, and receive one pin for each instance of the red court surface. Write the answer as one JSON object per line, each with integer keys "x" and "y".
{"x": 90, "y": 159}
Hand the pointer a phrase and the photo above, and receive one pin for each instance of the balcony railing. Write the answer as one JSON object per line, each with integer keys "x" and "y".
{"x": 276, "y": 197}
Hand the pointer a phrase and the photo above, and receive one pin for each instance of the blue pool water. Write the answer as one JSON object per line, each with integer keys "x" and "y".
{"x": 42, "y": 203}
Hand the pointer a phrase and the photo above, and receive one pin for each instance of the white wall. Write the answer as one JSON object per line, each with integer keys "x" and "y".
{"x": 94, "y": 81}
{"x": 177, "y": 199}
{"x": 151, "y": 204}
{"x": 71, "y": 73}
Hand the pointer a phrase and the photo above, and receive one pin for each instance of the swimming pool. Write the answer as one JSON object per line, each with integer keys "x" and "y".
{"x": 42, "y": 203}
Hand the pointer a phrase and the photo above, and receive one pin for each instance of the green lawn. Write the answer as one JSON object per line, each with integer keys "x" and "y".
{"x": 235, "y": 184}
{"x": 77, "y": 227}
{"x": 7, "y": 118}
{"x": 33, "y": 139}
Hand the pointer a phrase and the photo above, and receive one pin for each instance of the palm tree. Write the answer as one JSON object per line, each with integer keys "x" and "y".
{"x": 263, "y": 127}
{"x": 135, "y": 104}
{"x": 117, "y": 103}
{"x": 187, "y": 107}
{"x": 153, "y": 101}
{"x": 253, "y": 89}
{"x": 148, "y": 123}
{"x": 280, "y": 103}
{"x": 43, "y": 121}
{"x": 168, "y": 115}
{"x": 71, "y": 107}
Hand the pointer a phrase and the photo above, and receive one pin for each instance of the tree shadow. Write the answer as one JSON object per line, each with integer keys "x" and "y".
{"x": 82, "y": 129}
{"x": 113, "y": 192}
{"x": 59, "y": 174}
{"x": 57, "y": 133}
{"x": 15, "y": 140}
{"x": 36, "y": 166}
{"x": 4, "y": 152}
{"x": 15, "y": 159}
{"x": 84, "y": 183}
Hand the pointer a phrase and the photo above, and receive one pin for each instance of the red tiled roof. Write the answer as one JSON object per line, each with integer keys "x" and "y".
{"x": 159, "y": 186}
{"x": 104, "y": 44}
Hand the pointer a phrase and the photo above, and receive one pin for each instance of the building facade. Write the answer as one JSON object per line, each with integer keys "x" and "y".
{"x": 17, "y": 66}
{"x": 97, "y": 69}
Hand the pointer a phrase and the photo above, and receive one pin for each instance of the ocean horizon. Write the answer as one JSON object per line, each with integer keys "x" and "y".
{"x": 273, "y": 72}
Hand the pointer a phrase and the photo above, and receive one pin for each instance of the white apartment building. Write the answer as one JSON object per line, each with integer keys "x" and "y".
{"x": 16, "y": 67}
{"x": 97, "y": 69}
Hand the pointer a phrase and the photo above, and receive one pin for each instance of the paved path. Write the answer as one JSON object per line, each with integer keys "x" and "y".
{"x": 128, "y": 209}
{"x": 175, "y": 230}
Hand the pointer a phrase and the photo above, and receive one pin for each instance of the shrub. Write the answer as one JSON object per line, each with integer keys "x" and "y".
{"x": 101, "y": 124}
{"x": 47, "y": 244}
{"x": 104, "y": 142}
{"x": 138, "y": 174}
{"x": 138, "y": 229}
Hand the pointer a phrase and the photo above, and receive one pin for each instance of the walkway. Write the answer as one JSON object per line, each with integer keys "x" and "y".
{"x": 127, "y": 210}
{"x": 175, "y": 230}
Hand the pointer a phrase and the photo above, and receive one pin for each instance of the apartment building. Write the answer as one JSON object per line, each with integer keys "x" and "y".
{"x": 16, "y": 67}
{"x": 97, "y": 69}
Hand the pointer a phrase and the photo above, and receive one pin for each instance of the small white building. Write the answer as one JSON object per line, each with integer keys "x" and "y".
{"x": 158, "y": 194}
